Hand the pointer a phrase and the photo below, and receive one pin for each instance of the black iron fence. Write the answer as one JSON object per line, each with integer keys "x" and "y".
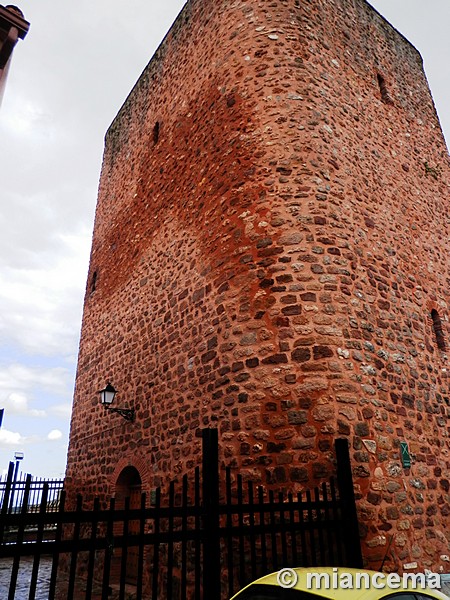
{"x": 204, "y": 540}
{"x": 12, "y": 492}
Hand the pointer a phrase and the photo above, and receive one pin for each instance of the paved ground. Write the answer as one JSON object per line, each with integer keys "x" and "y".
{"x": 24, "y": 577}
{"x": 23, "y": 580}
{"x": 45, "y": 567}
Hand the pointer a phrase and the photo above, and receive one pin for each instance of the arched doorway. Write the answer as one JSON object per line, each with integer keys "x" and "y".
{"x": 129, "y": 485}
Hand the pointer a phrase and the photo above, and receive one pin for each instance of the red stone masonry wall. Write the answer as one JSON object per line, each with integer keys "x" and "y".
{"x": 271, "y": 237}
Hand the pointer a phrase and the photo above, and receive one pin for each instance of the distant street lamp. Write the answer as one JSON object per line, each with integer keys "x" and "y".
{"x": 18, "y": 456}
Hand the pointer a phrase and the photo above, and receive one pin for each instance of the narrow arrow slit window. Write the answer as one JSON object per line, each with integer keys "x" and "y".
{"x": 437, "y": 327}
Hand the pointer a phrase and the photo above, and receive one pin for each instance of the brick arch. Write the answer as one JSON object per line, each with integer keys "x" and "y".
{"x": 129, "y": 479}
{"x": 138, "y": 462}
{"x": 432, "y": 305}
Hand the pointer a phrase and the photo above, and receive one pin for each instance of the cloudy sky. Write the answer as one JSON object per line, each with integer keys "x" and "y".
{"x": 68, "y": 80}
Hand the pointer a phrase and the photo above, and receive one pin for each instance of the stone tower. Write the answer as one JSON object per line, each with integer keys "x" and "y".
{"x": 270, "y": 257}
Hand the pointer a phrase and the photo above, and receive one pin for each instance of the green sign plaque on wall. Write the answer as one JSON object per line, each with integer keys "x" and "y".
{"x": 406, "y": 458}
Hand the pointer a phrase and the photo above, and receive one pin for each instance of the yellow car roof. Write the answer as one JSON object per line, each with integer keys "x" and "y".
{"x": 344, "y": 593}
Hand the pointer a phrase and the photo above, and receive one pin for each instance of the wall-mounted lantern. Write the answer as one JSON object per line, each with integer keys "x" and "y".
{"x": 107, "y": 397}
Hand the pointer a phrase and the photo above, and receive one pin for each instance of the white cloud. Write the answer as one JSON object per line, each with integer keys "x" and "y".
{"x": 61, "y": 410}
{"x": 11, "y": 438}
{"x": 40, "y": 307}
{"x": 55, "y": 434}
{"x": 19, "y": 378}
{"x": 17, "y": 404}
{"x": 23, "y": 118}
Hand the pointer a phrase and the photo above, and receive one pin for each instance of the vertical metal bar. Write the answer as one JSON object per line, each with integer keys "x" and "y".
{"x": 74, "y": 554}
{"x": 304, "y": 547}
{"x": 5, "y": 503}
{"x": 242, "y": 554}
{"x": 19, "y": 543}
{"x": 35, "y": 503}
{"x": 55, "y": 561}
{"x": 155, "y": 574}
{"x": 348, "y": 503}
{"x": 211, "y": 545}
{"x": 312, "y": 537}
{"x": 170, "y": 543}
{"x": 20, "y": 490}
{"x": 262, "y": 523}
{"x": 230, "y": 553}
{"x": 8, "y": 485}
{"x": 92, "y": 541}
{"x": 292, "y": 529}
{"x": 140, "y": 577}
{"x": 31, "y": 504}
{"x": 38, "y": 544}
{"x": 319, "y": 526}
{"x": 36, "y": 488}
{"x": 330, "y": 559}
{"x": 273, "y": 537}
{"x": 13, "y": 487}
{"x": 109, "y": 549}
{"x": 339, "y": 532}
{"x": 283, "y": 534}
{"x": 252, "y": 539}
{"x": 124, "y": 557}
{"x": 198, "y": 540}
{"x": 184, "y": 523}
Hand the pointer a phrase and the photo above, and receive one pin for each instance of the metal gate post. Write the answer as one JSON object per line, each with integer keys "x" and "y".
{"x": 7, "y": 494}
{"x": 210, "y": 506}
{"x": 348, "y": 504}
